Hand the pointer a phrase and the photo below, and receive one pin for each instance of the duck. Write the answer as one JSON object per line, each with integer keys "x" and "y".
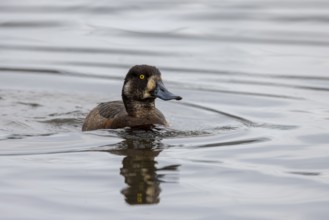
{"x": 142, "y": 85}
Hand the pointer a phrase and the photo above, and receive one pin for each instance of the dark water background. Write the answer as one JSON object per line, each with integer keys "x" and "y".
{"x": 248, "y": 141}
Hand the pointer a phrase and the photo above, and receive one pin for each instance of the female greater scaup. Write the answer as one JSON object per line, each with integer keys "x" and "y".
{"x": 142, "y": 85}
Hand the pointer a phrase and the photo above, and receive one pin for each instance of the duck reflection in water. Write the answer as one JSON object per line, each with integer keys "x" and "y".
{"x": 140, "y": 171}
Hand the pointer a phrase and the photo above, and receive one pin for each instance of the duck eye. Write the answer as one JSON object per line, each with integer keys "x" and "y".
{"x": 141, "y": 76}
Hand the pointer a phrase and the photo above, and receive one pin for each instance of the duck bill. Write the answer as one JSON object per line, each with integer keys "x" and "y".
{"x": 162, "y": 92}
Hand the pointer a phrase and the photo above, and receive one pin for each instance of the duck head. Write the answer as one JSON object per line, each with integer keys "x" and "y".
{"x": 143, "y": 83}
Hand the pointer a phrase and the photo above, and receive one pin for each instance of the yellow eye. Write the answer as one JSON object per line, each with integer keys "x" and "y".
{"x": 141, "y": 76}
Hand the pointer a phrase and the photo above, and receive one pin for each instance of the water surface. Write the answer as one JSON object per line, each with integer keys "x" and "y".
{"x": 249, "y": 140}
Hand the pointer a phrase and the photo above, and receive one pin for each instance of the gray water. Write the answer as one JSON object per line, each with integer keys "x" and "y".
{"x": 249, "y": 140}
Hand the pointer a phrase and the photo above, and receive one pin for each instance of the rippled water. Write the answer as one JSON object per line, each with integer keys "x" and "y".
{"x": 249, "y": 140}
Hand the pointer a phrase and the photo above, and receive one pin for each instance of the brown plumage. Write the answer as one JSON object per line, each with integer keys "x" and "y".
{"x": 141, "y": 87}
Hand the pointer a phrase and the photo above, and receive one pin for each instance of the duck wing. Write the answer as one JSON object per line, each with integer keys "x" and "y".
{"x": 111, "y": 109}
{"x": 102, "y": 116}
